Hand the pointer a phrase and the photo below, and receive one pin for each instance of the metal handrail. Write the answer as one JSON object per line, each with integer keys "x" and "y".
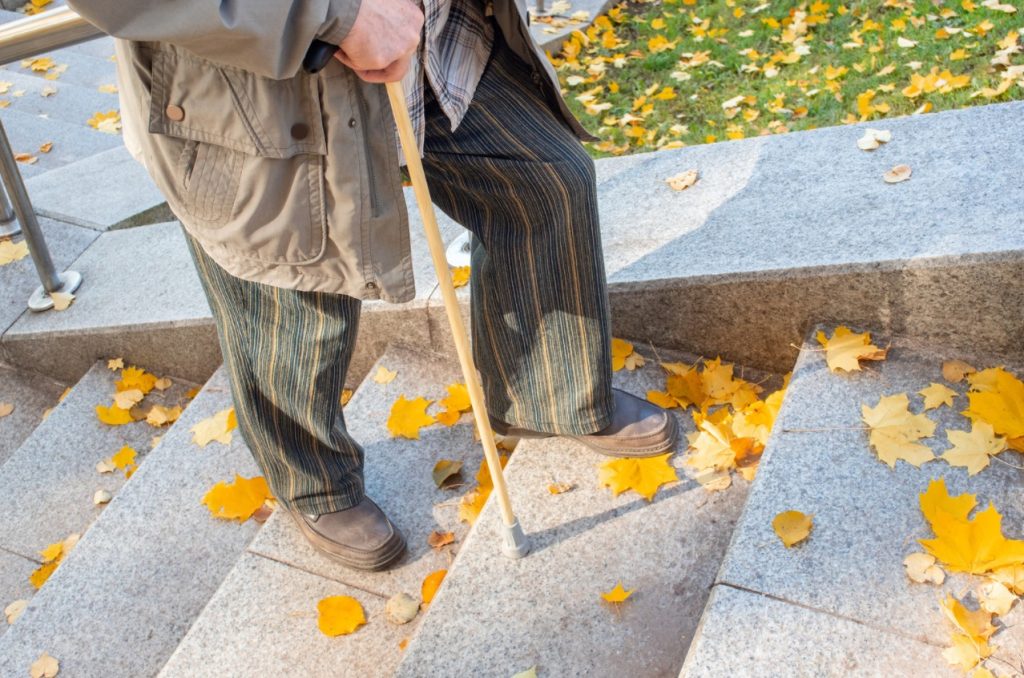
{"x": 53, "y": 29}
{"x": 20, "y": 39}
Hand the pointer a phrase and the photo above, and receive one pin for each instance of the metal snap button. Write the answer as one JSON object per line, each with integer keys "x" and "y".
{"x": 351, "y": 122}
{"x": 175, "y": 112}
{"x": 300, "y": 131}
{"x": 371, "y": 285}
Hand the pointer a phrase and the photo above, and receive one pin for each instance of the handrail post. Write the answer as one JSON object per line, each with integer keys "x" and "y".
{"x": 8, "y": 223}
{"x": 51, "y": 281}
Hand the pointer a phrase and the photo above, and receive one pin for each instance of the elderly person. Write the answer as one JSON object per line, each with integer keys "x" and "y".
{"x": 287, "y": 184}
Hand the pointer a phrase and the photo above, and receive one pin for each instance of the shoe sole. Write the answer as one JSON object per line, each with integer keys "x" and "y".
{"x": 381, "y": 559}
{"x": 671, "y": 432}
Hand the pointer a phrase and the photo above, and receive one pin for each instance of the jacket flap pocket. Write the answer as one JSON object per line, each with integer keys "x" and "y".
{"x": 196, "y": 99}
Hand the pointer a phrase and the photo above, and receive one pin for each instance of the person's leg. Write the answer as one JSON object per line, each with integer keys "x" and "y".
{"x": 286, "y": 353}
{"x": 514, "y": 174}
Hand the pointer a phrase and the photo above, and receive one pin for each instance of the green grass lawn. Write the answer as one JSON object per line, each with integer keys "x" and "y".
{"x": 653, "y": 74}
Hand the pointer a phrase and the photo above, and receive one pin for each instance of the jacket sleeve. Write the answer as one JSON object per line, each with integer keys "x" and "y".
{"x": 267, "y": 37}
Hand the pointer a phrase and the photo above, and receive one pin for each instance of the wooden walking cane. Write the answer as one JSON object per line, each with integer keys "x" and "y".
{"x": 515, "y": 543}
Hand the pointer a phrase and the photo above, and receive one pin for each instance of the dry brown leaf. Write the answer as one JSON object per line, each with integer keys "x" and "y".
{"x": 921, "y": 568}
{"x": 14, "y": 610}
{"x": 44, "y": 667}
{"x": 560, "y": 488}
{"x": 438, "y": 540}
{"x": 897, "y": 174}
{"x": 683, "y": 180}
{"x": 954, "y": 371}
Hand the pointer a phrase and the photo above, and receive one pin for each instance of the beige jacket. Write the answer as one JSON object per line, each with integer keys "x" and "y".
{"x": 284, "y": 178}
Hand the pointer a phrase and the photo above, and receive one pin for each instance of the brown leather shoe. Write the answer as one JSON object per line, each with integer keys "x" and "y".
{"x": 638, "y": 429}
{"x": 359, "y": 537}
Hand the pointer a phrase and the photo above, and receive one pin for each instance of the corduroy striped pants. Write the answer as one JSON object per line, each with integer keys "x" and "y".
{"x": 514, "y": 174}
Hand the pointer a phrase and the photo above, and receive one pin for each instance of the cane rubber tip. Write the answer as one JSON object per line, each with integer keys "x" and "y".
{"x": 515, "y": 544}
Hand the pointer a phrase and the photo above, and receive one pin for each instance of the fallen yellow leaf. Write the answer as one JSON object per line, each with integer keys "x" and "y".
{"x": 218, "y": 428}
{"x": 844, "y": 349}
{"x": 642, "y": 475}
{"x": 384, "y": 376}
{"x": 44, "y": 667}
{"x": 437, "y": 539}
{"x": 973, "y": 450}
{"x": 430, "y": 585}
{"x": 617, "y": 594}
{"x": 408, "y": 416}
{"x": 894, "y": 432}
{"x": 955, "y": 370}
{"x": 922, "y": 569}
{"x": 339, "y": 615}
{"x": 12, "y": 251}
{"x": 444, "y": 470}
{"x": 975, "y": 545}
{"x": 623, "y": 355}
{"x": 936, "y": 395}
{"x": 792, "y": 527}
{"x": 6, "y": 409}
{"x": 897, "y": 174}
{"x": 238, "y": 500}
{"x": 113, "y": 415}
{"x": 460, "y": 276}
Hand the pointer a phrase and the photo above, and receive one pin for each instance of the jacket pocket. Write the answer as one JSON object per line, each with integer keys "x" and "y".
{"x": 240, "y": 157}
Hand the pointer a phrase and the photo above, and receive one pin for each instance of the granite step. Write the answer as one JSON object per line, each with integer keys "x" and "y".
{"x": 496, "y": 617}
{"x": 844, "y": 589}
{"x": 70, "y": 103}
{"x": 263, "y": 620}
{"x": 106, "y": 191}
{"x": 82, "y": 68}
{"x": 49, "y": 481}
{"x": 31, "y": 395}
{"x": 71, "y": 142}
{"x": 127, "y": 593}
{"x": 140, "y": 299}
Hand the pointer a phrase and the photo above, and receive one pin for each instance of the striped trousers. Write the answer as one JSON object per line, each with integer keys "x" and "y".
{"x": 513, "y": 174}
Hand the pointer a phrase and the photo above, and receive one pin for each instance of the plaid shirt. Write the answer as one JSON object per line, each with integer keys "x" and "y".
{"x": 456, "y": 45}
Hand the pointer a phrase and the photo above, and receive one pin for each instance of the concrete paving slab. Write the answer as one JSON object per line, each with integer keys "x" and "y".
{"x": 71, "y": 142}
{"x": 262, "y": 622}
{"x": 867, "y": 517}
{"x": 50, "y": 480}
{"x": 19, "y": 279}
{"x": 31, "y": 395}
{"x": 499, "y": 616}
{"x": 750, "y": 635}
{"x": 126, "y": 595}
{"x": 105, "y": 191}
{"x": 398, "y": 478}
{"x": 70, "y": 103}
{"x": 141, "y": 299}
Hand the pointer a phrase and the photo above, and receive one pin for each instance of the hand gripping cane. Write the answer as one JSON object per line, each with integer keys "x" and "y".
{"x": 515, "y": 543}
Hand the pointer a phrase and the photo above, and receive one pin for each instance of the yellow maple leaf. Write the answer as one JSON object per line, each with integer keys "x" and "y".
{"x": 473, "y": 502}
{"x": 662, "y": 399}
{"x": 975, "y": 624}
{"x": 460, "y": 276}
{"x": 792, "y": 527}
{"x": 408, "y": 417}
{"x": 159, "y": 415}
{"x": 113, "y": 415}
{"x": 454, "y": 404}
{"x": 973, "y": 450}
{"x": 384, "y": 376}
{"x": 955, "y": 370}
{"x": 1000, "y": 404}
{"x": 12, "y": 251}
{"x": 965, "y": 652}
{"x": 431, "y": 583}
{"x": 936, "y": 395}
{"x": 124, "y": 458}
{"x": 126, "y": 400}
{"x": 617, "y": 594}
{"x": 974, "y": 545}
{"x": 42, "y": 573}
{"x": 239, "y": 499}
{"x": 642, "y": 475}
{"x": 218, "y": 427}
{"x": 109, "y": 122}
{"x": 135, "y": 378}
{"x": 844, "y": 349}
{"x": 623, "y": 356}
{"x": 894, "y": 431}
{"x": 339, "y": 615}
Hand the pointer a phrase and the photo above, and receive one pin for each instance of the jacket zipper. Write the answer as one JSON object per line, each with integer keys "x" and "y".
{"x": 371, "y": 179}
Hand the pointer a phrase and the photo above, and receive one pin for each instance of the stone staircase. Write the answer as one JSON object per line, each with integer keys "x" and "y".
{"x": 778, "y": 235}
